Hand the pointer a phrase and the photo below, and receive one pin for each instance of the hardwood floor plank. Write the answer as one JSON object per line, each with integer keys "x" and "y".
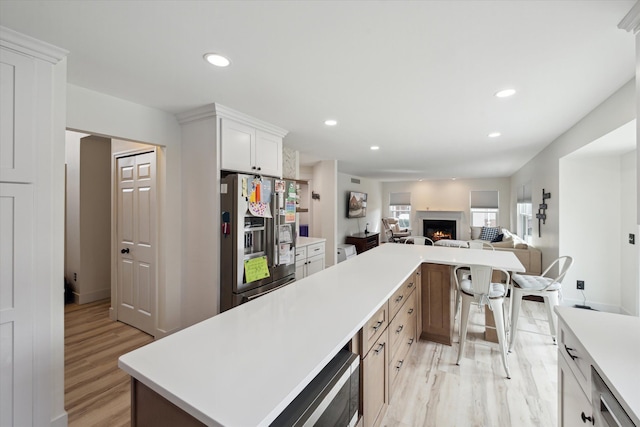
{"x": 97, "y": 392}
{"x": 436, "y": 392}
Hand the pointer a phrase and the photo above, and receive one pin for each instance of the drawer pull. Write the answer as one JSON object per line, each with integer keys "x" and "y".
{"x": 400, "y": 328}
{"x": 410, "y": 311}
{"x": 585, "y": 419}
{"x": 399, "y": 364}
{"x": 569, "y": 350}
{"x": 379, "y": 349}
{"x": 410, "y": 285}
{"x": 375, "y": 328}
{"x": 399, "y": 298}
{"x": 410, "y": 341}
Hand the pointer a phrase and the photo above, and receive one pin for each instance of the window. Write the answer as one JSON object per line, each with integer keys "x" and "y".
{"x": 400, "y": 208}
{"x": 525, "y": 213}
{"x": 484, "y": 208}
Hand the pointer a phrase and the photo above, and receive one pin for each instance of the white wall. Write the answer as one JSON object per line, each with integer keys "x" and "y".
{"x": 590, "y": 224}
{"x": 629, "y": 254}
{"x": 72, "y": 207}
{"x": 347, "y": 226}
{"x": 543, "y": 170}
{"x": 325, "y": 224}
{"x": 104, "y": 115}
{"x": 449, "y": 195}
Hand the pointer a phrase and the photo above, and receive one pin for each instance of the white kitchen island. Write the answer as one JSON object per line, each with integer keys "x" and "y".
{"x": 244, "y": 366}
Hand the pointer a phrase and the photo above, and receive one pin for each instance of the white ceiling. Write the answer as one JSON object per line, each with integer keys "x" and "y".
{"x": 415, "y": 78}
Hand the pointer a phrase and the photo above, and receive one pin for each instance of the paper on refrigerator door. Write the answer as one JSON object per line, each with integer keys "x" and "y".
{"x": 285, "y": 253}
{"x": 260, "y": 209}
{"x": 284, "y": 234}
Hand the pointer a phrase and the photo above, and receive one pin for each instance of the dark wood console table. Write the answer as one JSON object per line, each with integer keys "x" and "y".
{"x": 363, "y": 242}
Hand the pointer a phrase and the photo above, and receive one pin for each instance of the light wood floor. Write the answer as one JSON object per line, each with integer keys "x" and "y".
{"x": 433, "y": 392}
{"x": 97, "y": 392}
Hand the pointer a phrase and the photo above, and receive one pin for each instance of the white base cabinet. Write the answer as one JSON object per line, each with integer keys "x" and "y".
{"x": 309, "y": 259}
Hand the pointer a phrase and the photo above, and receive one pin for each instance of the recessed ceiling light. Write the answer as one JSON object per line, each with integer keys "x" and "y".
{"x": 375, "y": 147}
{"x": 330, "y": 122}
{"x": 216, "y": 59}
{"x": 505, "y": 93}
{"x": 494, "y": 134}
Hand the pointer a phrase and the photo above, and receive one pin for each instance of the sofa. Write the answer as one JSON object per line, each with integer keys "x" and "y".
{"x": 530, "y": 257}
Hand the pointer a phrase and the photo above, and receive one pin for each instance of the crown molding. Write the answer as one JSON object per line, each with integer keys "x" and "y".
{"x": 631, "y": 21}
{"x": 218, "y": 110}
{"x": 19, "y": 42}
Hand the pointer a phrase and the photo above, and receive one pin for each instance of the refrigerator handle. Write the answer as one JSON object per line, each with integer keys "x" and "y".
{"x": 276, "y": 231}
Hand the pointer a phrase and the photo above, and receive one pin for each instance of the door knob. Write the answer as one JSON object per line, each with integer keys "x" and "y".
{"x": 124, "y": 251}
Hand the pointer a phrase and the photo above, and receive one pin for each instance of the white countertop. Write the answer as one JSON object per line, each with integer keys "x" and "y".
{"x": 244, "y": 366}
{"x": 306, "y": 241}
{"x": 613, "y": 342}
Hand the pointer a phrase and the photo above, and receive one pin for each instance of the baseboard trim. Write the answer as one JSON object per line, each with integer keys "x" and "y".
{"x": 61, "y": 420}
{"x": 88, "y": 297}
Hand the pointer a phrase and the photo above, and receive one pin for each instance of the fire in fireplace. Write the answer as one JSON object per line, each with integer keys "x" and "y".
{"x": 439, "y": 229}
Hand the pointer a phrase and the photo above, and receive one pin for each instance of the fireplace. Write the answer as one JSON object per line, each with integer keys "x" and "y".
{"x": 439, "y": 229}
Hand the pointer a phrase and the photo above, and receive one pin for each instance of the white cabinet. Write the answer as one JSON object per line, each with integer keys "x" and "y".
{"x": 309, "y": 259}
{"x": 244, "y": 148}
{"x": 573, "y": 405}
{"x": 574, "y": 380}
{"x": 31, "y": 245}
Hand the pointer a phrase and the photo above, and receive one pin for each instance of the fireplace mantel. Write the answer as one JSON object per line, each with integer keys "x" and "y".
{"x": 430, "y": 213}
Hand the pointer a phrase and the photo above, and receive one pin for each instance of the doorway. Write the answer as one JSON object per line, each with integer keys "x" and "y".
{"x": 92, "y": 252}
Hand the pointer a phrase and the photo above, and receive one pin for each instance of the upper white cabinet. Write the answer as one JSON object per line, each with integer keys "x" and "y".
{"x": 244, "y": 148}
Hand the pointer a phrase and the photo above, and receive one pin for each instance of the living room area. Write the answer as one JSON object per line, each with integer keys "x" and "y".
{"x": 590, "y": 174}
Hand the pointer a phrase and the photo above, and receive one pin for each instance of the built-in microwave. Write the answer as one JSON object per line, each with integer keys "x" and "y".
{"x": 331, "y": 399}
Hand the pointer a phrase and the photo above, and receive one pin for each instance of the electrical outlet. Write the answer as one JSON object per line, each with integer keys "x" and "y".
{"x": 75, "y": 277}
{"x": 632, "y": 238}
{"x": 580, "y": 285}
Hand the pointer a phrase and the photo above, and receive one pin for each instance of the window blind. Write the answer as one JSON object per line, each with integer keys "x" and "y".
{"x": 399, "y": 199}
{"x": 484, "y": 199}
{"x": 524, "y": 194}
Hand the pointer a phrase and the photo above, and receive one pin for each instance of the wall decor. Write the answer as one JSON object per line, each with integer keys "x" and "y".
{"x": 542, "y": 211}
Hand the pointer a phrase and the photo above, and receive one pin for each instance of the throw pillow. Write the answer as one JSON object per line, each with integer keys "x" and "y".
{"x": 489, "y": 233}
{"x": 498, "y": 238}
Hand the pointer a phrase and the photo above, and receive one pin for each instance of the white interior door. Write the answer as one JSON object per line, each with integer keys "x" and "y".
{"x": 136, "y": 236}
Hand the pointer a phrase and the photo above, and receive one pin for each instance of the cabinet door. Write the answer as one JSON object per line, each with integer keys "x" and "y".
{"x": 237, "y": 146}
{"x": 16, "y": 303}
{"x": 375, "y": 385}
{"x": 315, "y": 264}
{"x": 17, "y": 91}
{"x": 437, "y": 303}
{"x": 572, "y": 403}
{"x": 300, "y": 269}
{"x": 268, "y": 154}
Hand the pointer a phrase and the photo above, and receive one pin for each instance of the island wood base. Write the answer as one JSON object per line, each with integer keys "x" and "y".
{"x": 149, "y": 409}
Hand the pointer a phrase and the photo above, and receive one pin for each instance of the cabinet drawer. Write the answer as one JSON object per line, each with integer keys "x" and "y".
{"x": 301, "y": 252}
{"x": 401, "y": 295}
{"x": 315, "y": 249}
{"x": 372, "y": 330}
{"x": 399, "y": 361}
{"x": 576, "y": 357}
{"x": 400, "y": 326}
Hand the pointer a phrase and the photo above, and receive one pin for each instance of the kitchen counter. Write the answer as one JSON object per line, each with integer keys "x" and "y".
{"x": 613, "y": 342}
{"x": 244, "y": 366}
{"x": 306, "y": 241}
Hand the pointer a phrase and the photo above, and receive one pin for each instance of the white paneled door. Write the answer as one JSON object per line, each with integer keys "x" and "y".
{"x": 136, "y": 234}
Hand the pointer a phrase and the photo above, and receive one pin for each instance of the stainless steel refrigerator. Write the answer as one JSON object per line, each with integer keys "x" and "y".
{"x": 257, "y": 241}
